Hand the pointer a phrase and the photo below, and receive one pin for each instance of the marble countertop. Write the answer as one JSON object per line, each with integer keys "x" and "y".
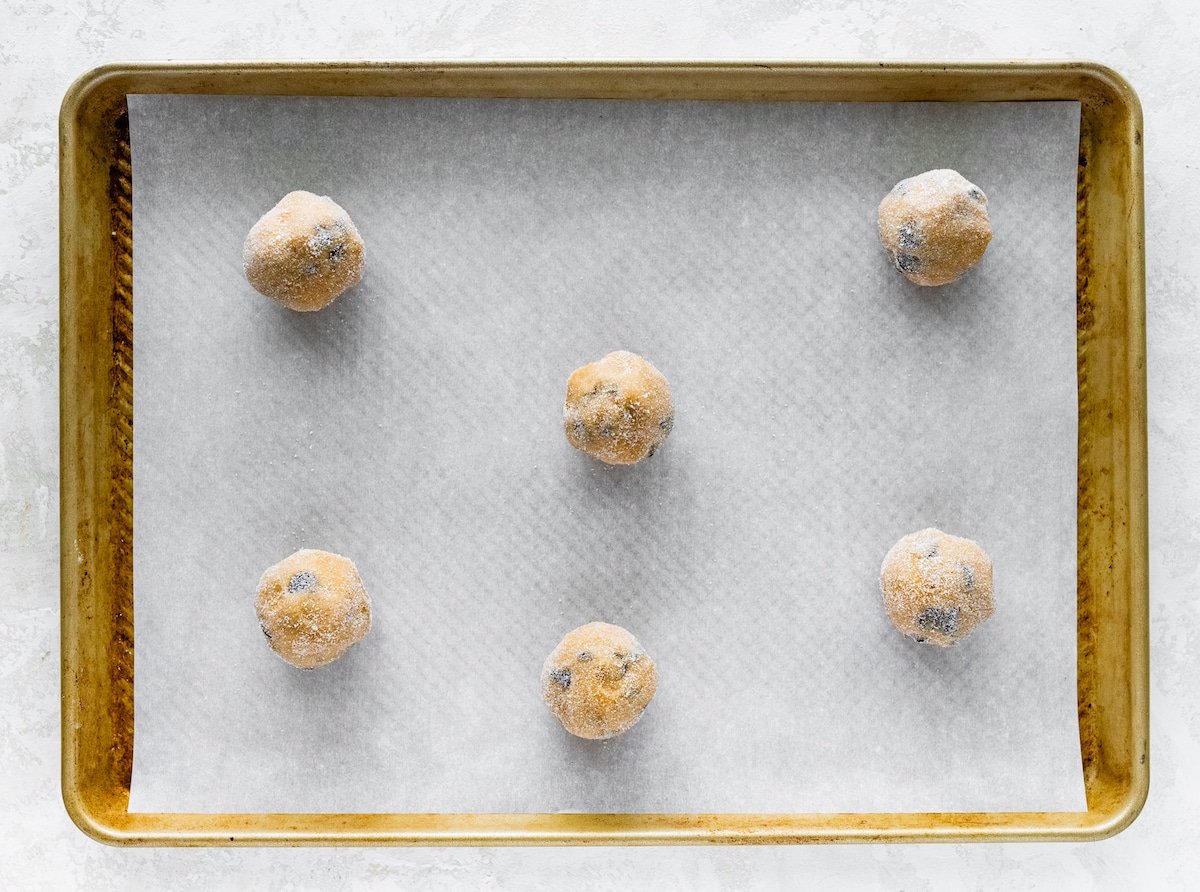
{"x": 44, "y": 45}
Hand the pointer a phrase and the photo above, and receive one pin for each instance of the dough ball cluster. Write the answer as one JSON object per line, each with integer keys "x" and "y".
{"x": 937, "y": 588}
{"x": 598, "y": 681}
{"x": 312, "y": 607}
{"x": 618, "y": 409}
{"x": 303, "y": 252}
{"x": 934, "y": 226}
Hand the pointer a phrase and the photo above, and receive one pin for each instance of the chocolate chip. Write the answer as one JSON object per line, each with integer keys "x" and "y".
{"x": 562, "y": 676}
{"x": 583, "y": 656}
{"x": 626, "y": 661}
{"x": 303, "y": 581}
{"x": 910, "y": 236}
{"x": 667, "y": 424}
{"x": 968, "y": 577}
{"x": 337, "y": 253}
{"x": 939, "y": 619}
{"x": 928, "y": 549}
{"x": 264, "y": 630}
{"x": 975, "y": 193}
{"x": 909, "y": 263}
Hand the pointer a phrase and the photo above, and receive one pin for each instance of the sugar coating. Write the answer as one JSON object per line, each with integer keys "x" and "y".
{"x": 303, "y": 252}
{"x": 618, "y": 409}
{"x": 598, "y": 681}
{"x": 937, "y": 588}
{"x": 934, "y": 226}
{"x": 312, "y": 607}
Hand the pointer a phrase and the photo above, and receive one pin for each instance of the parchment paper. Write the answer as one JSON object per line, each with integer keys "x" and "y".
{"x": 825, "y": 407}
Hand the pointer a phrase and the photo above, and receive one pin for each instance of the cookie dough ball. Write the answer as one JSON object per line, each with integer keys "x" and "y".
{"x": 312, "y": 606}
{"x": 304, "y": 252}
{"x": 598, "y": 681}
{"x": 936, "y": 587}
{"x": 618, "y": 409}
{"x": 934, "y": 226}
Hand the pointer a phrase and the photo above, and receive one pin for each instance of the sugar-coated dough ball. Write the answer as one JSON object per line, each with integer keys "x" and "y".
{"x": 618, "y": 409}
{"x": 303, "y": 252}
{"x": 312, "y": 607}
{"x": 934, "y": 226}
{"x": 936, "y": 587}
{"x": 598, "y": 681}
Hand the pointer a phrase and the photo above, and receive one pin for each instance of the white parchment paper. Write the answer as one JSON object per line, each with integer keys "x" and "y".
{"x": 824, "y": 408}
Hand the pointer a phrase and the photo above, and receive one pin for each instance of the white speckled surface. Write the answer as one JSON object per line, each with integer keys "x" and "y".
{"x": 45, "y": 45}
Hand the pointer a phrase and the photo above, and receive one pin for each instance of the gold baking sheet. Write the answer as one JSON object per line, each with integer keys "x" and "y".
{"x": 96, "y": 445}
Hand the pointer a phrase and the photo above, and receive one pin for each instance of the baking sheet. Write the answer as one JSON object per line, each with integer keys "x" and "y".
{"x": 824, "y": 408}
